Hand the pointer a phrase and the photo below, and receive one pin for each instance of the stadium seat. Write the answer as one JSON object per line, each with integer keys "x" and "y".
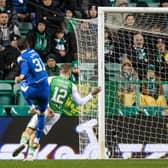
{"x": 19, "y": 111}
{"x": 19, "y": 99}
{"x": 145, "y": 111}
{"x": 24, "y": 28}
{"x": 113, "y": 66}
{"x": 6, "y": 94}
{"x": 87, "y": 70}
{"x": 112, "y": 69}
{"x": 2, "y": 111}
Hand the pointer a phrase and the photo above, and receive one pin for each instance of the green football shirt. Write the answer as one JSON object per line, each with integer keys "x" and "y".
{"x": 60, "y": 91}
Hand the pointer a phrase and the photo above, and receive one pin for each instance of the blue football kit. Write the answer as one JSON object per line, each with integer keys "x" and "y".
{"x": 35, "y": 85}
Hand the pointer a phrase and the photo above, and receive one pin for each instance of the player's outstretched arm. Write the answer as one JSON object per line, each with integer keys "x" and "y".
{"x": 83, "y": 100}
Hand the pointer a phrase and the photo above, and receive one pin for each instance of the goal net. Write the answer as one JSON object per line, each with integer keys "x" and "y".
{"x": 125, "y": 52}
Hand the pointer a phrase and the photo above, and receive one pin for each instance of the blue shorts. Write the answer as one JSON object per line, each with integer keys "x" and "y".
{"x": 38, "y": 92}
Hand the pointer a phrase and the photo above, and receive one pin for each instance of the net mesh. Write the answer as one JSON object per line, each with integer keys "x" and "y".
{"x": 136, "y": 63}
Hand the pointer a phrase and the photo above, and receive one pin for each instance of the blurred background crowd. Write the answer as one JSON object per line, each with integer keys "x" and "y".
{"x": 46, "y": 24}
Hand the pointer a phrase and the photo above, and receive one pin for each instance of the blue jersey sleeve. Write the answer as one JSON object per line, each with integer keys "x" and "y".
{"x": 24, "y": 68}
{"x": 23, "y": 65}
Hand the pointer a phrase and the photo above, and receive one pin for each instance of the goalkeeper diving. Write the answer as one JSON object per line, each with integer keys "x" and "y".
{"x": 61, "y": 88}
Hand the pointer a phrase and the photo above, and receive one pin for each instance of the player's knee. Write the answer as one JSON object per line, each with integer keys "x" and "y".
{"x": 29, "y": 131}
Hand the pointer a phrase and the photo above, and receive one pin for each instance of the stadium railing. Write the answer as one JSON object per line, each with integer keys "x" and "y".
{"x": 12, "y": 102}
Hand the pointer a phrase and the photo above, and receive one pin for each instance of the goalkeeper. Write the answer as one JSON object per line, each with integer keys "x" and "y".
{"x": 60, "y": 89}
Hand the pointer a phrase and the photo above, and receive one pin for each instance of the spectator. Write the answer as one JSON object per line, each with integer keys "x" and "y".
{"x": 92, "y": 11}
{"x": 139, "y": 55}
{"x": 22, "y": 9}
{"x": 70, "y": 22}
{"x": 61, "y": 46}
{"x": 162, "y": 51}
{"x": 70, "y": 25}
{"x": 75, "y": 72}
{"x": 5, "y": 6}
{"x": 127, "y": 91}
{"x": 11, "y": 69}
{"x": 152, "y": 92}
{"x": 51, "y": 67}
{"x": 161, "y": 58}
{"x": 49, "y": 12}
{"x": 129, "y": 20}
{"x": 40, "y": 40}
{"x": 9, "y": 32}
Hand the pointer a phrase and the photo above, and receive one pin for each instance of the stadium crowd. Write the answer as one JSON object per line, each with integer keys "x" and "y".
{"x": 51, "y": 33}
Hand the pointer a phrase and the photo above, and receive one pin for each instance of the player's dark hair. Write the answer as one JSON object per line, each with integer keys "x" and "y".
{"x": 22, "y": 44}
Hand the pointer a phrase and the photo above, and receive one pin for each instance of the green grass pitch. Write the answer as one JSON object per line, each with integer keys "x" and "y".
{"x": 159, "y": 163}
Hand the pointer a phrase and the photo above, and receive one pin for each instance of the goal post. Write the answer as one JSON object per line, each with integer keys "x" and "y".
{"x": 127, "y": 126}
{"x": 101, "y": 62}
{"x": 101, "y": 79}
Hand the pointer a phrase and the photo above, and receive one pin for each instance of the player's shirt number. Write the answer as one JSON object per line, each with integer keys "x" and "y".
{"x": 39, "y": 65}
{"x": 59, "y": 95}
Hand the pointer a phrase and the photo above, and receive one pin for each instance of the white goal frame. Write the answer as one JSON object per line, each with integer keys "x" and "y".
{"x": 101, "y": 72}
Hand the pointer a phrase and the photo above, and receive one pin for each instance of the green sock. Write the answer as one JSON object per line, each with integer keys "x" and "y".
{"x": 24, "y": 140}
{"x": 31, "y": 151}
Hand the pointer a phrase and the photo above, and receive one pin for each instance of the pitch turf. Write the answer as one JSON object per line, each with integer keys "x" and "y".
{"x": 84, "y": 164}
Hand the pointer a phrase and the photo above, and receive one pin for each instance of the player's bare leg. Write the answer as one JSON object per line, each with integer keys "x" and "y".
{"x": 23, "y": 142}
{"x": 32, "y": 150}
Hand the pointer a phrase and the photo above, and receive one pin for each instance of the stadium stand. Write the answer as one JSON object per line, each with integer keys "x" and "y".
{"x": 2, "y": 111}
{"x": 6, "y": 94}
{"x": 25, "y": 27}
{"x": 19, "y": 110}
{"x": 112, "y": 69}
{"x": 19, "y": 99}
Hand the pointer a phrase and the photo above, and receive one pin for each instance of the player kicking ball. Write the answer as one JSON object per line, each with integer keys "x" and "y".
{"x": 28, "y": 135}
{"x": 61, "y": 88}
